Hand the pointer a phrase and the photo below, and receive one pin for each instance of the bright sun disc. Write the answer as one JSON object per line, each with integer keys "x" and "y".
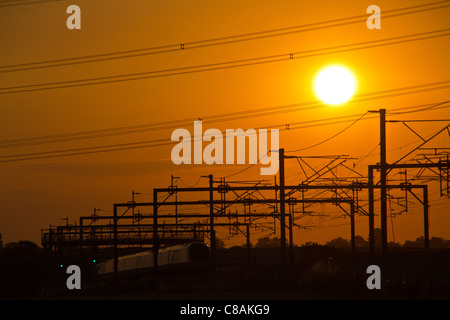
{"x": 335, "y": 85}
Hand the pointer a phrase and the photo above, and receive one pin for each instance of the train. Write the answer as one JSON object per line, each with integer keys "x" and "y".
{"x": 184, "y": 258}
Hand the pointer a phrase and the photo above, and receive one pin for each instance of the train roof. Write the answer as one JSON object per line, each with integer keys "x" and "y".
{"x": 146, "y": 252}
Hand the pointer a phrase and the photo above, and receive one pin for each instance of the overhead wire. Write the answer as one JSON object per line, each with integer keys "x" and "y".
{"x": 434, "y": 105}
{"x": 240, "y": 115}
{"x": 109, "y": 148}
{"x": 423, "y": 109}
{"x": 225, "y": 64}
{"x": 242, "y": 170}
{"x": 6, "y": 4}
{"x": 330, "y": 138}
{"x": 22, "y": 142}
{"x": 220, "y": 40}
{"x": 191, "y": 185}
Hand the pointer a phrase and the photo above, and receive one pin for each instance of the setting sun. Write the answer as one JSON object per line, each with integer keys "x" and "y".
{"x": 335, "y": 85}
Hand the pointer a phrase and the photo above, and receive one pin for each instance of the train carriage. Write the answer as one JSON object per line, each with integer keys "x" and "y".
{"x": 189, "y": 257}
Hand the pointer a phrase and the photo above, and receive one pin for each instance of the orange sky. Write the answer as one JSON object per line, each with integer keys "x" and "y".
{"x": 37, "y": 193}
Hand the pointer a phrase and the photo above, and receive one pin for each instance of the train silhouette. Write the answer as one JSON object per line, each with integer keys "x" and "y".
{"x": 184, "y": 258}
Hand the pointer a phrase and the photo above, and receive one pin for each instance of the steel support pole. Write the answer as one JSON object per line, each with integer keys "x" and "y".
{"x": 282, "y": 208}
{"x": 248, "y": 243}
{"x": 426, "y": 235}
{"x": 371, "y": 213}
{"x": 352, "y": 227}
{"x": 383, "y": 171}
{"x": 291, "y": 236}
{"x": 211, "y": 223}
{"x": 81, "y": 236}
{"x": 116, "y": 254}
{"x": 155, "y": 233}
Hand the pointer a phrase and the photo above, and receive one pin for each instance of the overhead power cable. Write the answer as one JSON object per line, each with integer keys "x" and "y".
{"x": 330, "y": 138}
{"x": 226, "y": 64}
{"x": 220, "y": 40}
{"x": 423, "y": 109}
{"x": 239, "y": 115}
{"x": 6, "y": 4}
{"x": 417, "y": 109}
{"x": 148, "y": 143}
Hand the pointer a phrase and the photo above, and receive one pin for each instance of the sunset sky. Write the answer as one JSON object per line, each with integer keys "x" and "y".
{"x": 245, "y": 68}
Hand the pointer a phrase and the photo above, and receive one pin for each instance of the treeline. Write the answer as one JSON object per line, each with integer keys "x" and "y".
{"x": 360, "y": 242}
{"x": 434, "y": 242}
{"x": 21, "y": 269}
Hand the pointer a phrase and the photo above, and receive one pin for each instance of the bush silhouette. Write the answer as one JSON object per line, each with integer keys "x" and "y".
{"x": 21, "y": 270}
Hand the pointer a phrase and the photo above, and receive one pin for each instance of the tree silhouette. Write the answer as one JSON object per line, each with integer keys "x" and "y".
{"x": 219, "y": 243}
{"x": 338, "y": 243}
{"x": 266, "y": 242}
{"x": 21, "y": 269}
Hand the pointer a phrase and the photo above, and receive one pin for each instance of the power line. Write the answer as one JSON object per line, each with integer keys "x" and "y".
{"x": 240, "y": 115}
{"x": 224, "y": 65}
{"x": 429, "y": 107}
{"x": 425, "y": 108}
{"x": 219, "y": 40}
{"x": 330, "y": 138}
{"x": 401, "y": 112}
{"x": 193, "y": 185}
{"x": 245, "y": 169}
{"x": 24, "y": 3}
{"x": 109, "y": 148}
{"x": 368, "y": 154}
{"x": 157, "y": 125}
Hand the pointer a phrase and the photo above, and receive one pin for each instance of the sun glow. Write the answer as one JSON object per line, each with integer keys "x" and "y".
{"x": 335, "y": 85}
